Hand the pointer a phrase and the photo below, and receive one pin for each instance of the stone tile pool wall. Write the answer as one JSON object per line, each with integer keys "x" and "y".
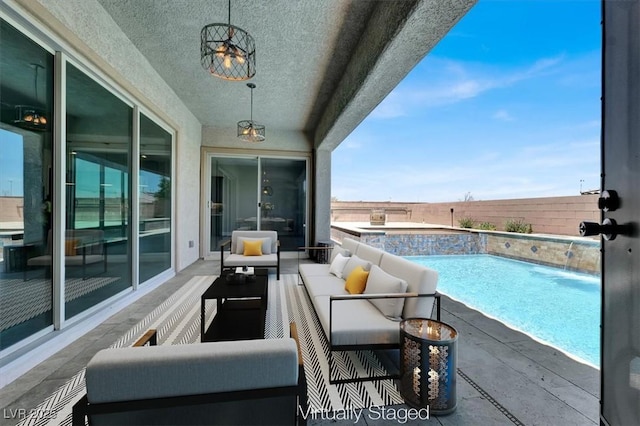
{"x": 575, "y": 254}
{"x": 579, "y": 255}
{"x": 435, "y": 244}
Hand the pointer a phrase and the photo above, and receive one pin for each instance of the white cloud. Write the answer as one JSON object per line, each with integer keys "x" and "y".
{"x": 352, "y": 143}
{"x": 503, "y": 115}
{"x": 455, "y": 81}
{"x": 390, "y": 107}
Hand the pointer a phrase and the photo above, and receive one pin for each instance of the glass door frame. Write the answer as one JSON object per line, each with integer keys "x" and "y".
{"x": 205, "y": 218}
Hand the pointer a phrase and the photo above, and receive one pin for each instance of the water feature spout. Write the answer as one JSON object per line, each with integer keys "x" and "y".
{"x": 569, "y": 255}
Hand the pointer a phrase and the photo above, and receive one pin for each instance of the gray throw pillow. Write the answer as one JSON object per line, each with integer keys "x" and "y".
{"x": 380, "y": 282}
{"x": 339, "y": 250}
{"x": 353, "y": 263}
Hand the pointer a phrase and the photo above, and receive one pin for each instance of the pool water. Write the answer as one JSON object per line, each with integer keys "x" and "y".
{"x": 559, "y": 307}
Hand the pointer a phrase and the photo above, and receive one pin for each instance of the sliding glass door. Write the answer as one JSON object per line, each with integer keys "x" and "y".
{"x": 233, "y": 197}
{"x": 26, "y": 209}
{"x": 98, "y": 193}
{"x": 85, "y": 195}
{"x": 256, "y": 193}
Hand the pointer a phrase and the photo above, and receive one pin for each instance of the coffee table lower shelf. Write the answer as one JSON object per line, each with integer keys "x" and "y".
{"x": 237, "y": 320}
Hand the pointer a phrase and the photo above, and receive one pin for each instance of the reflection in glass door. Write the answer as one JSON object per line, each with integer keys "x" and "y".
{"x": 283, "y": 200}
{"x": 258, "y": 193}
{"x": 98, "y": 193}
{"x": 233, "y": 197}
{"x": 26, "y": 200}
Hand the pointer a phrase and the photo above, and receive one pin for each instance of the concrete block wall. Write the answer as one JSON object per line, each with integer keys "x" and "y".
{"x": 11, "y": 209}
{"x": 551, "y": 215}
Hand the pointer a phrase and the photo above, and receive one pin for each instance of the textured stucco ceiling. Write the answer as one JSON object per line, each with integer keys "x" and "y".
{"x": 301, "y": 48}
{"x": 305, "y": 51}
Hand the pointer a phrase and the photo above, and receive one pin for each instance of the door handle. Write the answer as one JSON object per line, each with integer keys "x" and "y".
{"x": 609, "y": 229}
{"x": 609, "y": 201}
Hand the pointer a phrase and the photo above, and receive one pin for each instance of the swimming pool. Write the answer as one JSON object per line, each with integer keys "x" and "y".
{"x": 561, "y": 308}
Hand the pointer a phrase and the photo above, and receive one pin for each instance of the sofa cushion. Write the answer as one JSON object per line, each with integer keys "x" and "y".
{"x": 325, "y": 285}
{"x": 356, "y": 281}
{"x": 336, "y": 250}
{"x": 353, "y": 263}
{"x": 252, "y": 248}
{"x": 356, "y": 322}
{"x": 350, "y": 244}
{"x": 380, "y": 282}
{"x": 419, "y": 278}
{"x": 370, "y": 254}
{"x": 265, "y": 245}
{"x": 126, "y": 374}
{"x": 337, "y": 265}
{"x": 321, "y": 269}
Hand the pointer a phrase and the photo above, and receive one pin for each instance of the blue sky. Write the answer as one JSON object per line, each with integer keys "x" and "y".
{"x": 11, "y": 161}
{"x": 507, "y": 105}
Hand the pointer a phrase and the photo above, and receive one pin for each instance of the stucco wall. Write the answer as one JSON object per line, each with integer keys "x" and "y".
{"x": 552, "y": 215}
{"x": 96, "y": 40}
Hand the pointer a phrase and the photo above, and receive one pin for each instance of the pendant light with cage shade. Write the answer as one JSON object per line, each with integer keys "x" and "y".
{"x": 249, "y": 130}
{"x": 29, "y": 116}
{"x": 227, "y": 51}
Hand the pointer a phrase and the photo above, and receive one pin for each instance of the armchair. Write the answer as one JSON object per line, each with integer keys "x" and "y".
{"x": 234, "y": 256}
{"x": 205, "y": 383}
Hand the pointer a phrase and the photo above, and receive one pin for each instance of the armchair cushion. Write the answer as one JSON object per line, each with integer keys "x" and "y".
{"x": 125, "y": 374}
{"x": 241, "y": 260}
{"x": 236, "y": 235}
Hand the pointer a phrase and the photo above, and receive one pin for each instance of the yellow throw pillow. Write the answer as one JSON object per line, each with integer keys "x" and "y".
{"x": 70, "y": 247}
{"x": 356, "y": 281}
{"x": 253, "y": 248}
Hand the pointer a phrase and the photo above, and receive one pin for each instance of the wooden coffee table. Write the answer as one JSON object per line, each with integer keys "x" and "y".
{"x": 242, "y": 307}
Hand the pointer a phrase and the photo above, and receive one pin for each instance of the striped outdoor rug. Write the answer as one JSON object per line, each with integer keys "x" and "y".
{"x": 22, "y": 300}
{"x": 178, "y": 322}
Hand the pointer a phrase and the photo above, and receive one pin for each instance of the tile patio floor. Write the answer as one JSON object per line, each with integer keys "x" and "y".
{"x": 512, "y": 379}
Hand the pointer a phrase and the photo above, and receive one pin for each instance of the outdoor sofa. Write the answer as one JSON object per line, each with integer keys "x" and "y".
{"x": 215, "y": 383}
{"x": 396, "y": 289}
{"x": 235, "y": 255}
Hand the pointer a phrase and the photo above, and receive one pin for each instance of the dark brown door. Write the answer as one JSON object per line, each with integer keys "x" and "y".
{"x": 620, "y": 364}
